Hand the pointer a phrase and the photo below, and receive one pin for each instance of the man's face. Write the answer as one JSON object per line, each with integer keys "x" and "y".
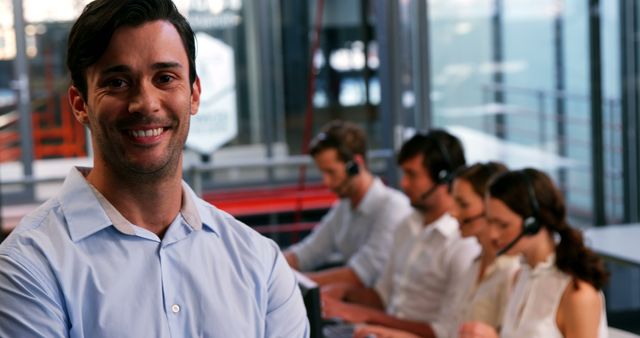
{"x": 334, "y": 173}
{"x": 139, "y": 101}
{"x": 415, "y": 181}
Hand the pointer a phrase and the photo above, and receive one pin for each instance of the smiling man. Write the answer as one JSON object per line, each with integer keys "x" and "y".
{"x": 126, "y": 249}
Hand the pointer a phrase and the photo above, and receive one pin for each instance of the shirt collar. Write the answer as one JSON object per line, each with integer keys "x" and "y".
{"x": 84, "y": 214}
{"x": 500, "y": 263}
{"x": 541, "y": 267}
{"x": 368, "y": 203}
{"x": 445, "y": 225}
{"x": 88, "y": 211}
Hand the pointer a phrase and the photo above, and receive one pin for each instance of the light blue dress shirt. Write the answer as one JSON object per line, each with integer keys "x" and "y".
{"x": 76, "y": 268}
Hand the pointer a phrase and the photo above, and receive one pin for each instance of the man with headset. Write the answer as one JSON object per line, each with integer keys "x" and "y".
{"x": 359, "y": 227}
{"x": 428, "y": 255}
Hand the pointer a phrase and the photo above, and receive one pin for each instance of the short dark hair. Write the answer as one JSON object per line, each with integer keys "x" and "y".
{"x": 91, "y": 33}
{"x": 440, "y": 150}
{"x": 347, "y": 138}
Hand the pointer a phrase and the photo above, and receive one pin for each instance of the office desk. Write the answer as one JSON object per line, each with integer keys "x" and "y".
{"x": 619, "y": 243}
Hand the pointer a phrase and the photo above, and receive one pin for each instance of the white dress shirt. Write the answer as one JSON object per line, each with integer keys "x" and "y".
{"x": 425, "y": 264}
{"x": 362, "y": 236}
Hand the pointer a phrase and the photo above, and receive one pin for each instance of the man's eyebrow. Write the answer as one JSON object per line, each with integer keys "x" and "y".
{"x": 165, "y": 65}
{"x": 127, "y": 69}
{"x": 116, "y": 69}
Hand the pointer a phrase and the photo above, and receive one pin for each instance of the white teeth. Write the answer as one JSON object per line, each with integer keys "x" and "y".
{"x": 145, "y": 133}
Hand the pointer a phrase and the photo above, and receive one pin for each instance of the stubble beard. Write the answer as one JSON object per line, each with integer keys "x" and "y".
{"x": 134, "y": 174}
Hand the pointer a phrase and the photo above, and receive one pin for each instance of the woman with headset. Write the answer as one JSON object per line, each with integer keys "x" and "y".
{"x": 558, "y": 291}
{"x": 485, "y": 287}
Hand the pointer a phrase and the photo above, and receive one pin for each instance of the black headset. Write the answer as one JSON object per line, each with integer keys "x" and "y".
{"x": 351, "y": 166}
{"x": 446, "y": 174}
{"x": 530, "y": 224}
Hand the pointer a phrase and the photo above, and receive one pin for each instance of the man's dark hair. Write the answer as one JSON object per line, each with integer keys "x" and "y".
{"x": 442, "y": 152}
{"x": 91, "y": 33}
{"x": 346, "y": 137}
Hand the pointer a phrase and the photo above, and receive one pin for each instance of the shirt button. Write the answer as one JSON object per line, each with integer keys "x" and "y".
{"x": 175, "y": 308}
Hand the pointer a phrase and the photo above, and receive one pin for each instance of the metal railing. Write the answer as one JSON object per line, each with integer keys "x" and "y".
{"x": 543, "y": 110}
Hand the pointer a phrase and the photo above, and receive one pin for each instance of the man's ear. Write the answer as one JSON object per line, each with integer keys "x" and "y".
{"x": 195, "y": 96}
{"x": 78, "y": 105}
{"x": 359, "y": 159}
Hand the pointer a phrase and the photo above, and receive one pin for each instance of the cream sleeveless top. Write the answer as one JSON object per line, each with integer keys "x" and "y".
{"x": 531, "y": 311}
{"x": 483, "y": 300}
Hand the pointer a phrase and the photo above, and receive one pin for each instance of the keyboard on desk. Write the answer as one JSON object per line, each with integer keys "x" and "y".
{"x": 338, "y": 330}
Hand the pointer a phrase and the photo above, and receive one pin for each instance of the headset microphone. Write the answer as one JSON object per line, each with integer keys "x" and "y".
{"x": 472, "y": 218}
{"x": 511, "y": 244}
{"x": 530, "y": 225}
{"x": 429, "y": 192}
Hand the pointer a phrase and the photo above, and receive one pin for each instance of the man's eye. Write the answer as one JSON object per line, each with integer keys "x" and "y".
{"x": 165, "y": 78}
{"x": 116, "y": 83}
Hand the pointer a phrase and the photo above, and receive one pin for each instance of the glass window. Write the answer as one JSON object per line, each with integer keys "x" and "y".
{"x": 511, "y": 78}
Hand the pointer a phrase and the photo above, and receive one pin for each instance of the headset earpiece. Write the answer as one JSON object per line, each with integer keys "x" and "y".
{"x": 444, "y": 177}
{"x": 531, "y": 225}
{"x": 352, "y": 168}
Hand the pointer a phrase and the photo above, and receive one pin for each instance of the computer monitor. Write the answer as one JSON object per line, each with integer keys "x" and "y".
{"x": 311, "y": 296}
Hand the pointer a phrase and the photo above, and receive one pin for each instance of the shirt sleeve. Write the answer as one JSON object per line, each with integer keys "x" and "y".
{"x": 317, "y": 246}
{"x": 461, "y": 256}
{"x": 446, "y": 324}
{"x": 286, "y": 313}
{"x": 383, "y": 285}
{"x": 369, "y": 261}
{"x": 30, "y": 307}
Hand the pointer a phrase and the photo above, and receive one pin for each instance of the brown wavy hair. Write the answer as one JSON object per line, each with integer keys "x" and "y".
{"x": 478, "y": 175}
{"x": 572, "y": 256}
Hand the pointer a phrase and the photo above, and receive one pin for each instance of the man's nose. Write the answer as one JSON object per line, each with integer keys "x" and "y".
{"x": 144, "y": 100}
{"x": 326, "y": 180}
{"x": 455, "y": 211}
{"x": 492, "y": 231}
{"x": 403, "y": 184}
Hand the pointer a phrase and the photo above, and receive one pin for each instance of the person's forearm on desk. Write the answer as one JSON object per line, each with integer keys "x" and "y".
{"x": 343, "y": 275}
{"x": 356, "y": 313}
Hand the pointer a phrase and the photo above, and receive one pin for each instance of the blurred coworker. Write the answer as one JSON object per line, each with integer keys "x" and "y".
{"x": 126, "y": 248}
{"x": 558, "y": 291}
{"x": 483, "y": 291}
{"x": 428, "y": 256}
{"x": 359, "y": 227}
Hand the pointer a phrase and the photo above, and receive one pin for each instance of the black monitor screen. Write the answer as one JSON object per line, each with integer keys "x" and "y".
{"x": 311, "y": 296}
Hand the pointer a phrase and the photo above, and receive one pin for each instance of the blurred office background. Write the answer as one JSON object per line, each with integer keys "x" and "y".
{"x": 552, "y": 84}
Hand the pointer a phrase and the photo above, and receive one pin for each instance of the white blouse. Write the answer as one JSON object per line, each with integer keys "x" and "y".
{"x": 531, "y": 311}
{"x": 483, "y": 300}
